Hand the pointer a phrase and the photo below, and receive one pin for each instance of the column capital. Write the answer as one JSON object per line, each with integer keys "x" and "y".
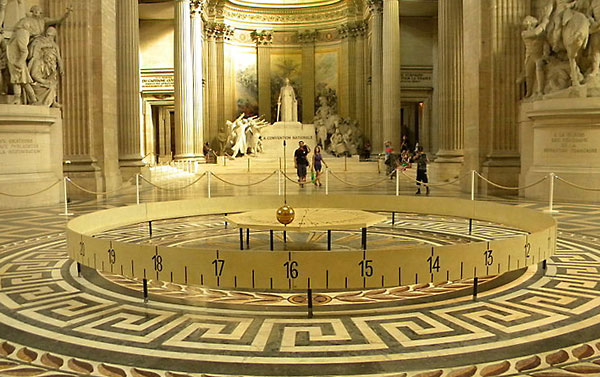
{"x": 376, "y": 6}
{"x": 262, "y": 37}
{"x": 352, "y": 29}
{"x": 307, "y": 36}
{"x": 218, "y": 31}
{"x": 196, "y": 7}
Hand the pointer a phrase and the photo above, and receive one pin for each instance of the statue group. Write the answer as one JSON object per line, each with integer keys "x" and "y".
{"x": 242, "y": 136}
{"x": 562, "y": 49}
{"x": 336, "y": 135}
{"x": 30, "y": 60}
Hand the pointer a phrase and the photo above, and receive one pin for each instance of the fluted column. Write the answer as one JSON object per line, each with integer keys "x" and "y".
{"x": 344, "y": 73}
{"x": 128, "y": 81}
{"x": 391, "y": 71}
{"x": 360, "y": 80}
{"x": 308, "y": 38}
{"x": 450, "y": 82}
{"x": 211, "y": 36}
{"x": 184, "y": 84}
{"x": 263, "y": 40}
{"x": 507, "y": 45}
{"x": 197, "y": 71}
{"x": 501, "y": 123}
{"x": 88, "y": 94}
{"x": 376, "y": 74}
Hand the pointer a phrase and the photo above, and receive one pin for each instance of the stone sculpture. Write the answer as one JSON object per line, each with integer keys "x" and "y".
{"x": 45, "y": 67}
{"x": 18, "y": 53}
{"x": 566, "y": 31}
{"x": 287, "y": 104}
{"x": 336, "y": 135}
{"x": 11, "y": 11}
{"x": 243, "y": 135}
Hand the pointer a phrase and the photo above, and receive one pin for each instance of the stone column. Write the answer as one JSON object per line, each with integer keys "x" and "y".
{"x": 450, "y": 87}
{"x": 344, "y": 72}
{"x": 360, "y": 81}
{"x": 197, "y": 71}
{"x": 391, "y": 72}
{"x": 212, "y": 82}
{"x": 184, "y": 84}
{"x": 502, "y": 163}
{"x": 308, "y": 38}
{"x": 263, "y": 40}
{"x": 128, "y": 81}
{"x": 88, "y": 94}
{"x": 376, "y": 74}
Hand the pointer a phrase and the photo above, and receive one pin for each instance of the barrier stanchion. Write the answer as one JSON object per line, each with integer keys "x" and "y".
{"x": 208, "y": 174}
{"x": 345, "y": 163}
{"x": 137, "y": 188}
{"x": 327, "y": 181}
{"x": 279, "y": 181}
{"x": 551, "y": 195}
{"x": 397, "y": 182}
{"x": 248, "y": 165}
{"x": 472, "y": 184}
{"x": 66, "y": 213}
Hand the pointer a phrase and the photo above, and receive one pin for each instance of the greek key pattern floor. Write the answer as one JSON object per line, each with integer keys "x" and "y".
{"x": 53, "y": 321}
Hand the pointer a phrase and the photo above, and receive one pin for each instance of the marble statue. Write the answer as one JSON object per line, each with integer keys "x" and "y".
{"x": 535, "y": 53}
{"x": 45, "y": 67}
{"x": 568, "y": 32}
{"x": 11, "y": 11}
{"x": 4, "y": 76}
{"x": 287, "y": 104}
{"x": 336, "y": 135}
{"x": 18, "y": 53}
{"x": 594, "y": 43}
{"x": 243, "y": 135}
{"x": 253, "y": 136}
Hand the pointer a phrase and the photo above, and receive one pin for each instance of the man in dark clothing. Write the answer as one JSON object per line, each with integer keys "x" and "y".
{"x": 301, "y": 161}
{"x": 421, "y": 160}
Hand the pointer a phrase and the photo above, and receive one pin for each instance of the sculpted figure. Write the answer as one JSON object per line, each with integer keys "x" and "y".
{"x": 45, "y": 67}
{"x": 594, "y": 44}
{"x": 26, "y": 29}
{"x": 287, "y": 105}
{"x": 11, "y": 11}
{"x": 535, "y": 53}
{"x": 4, "y": 78}
{"x": 567, "y": 29}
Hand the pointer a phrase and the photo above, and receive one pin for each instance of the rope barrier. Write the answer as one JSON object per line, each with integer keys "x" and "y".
{"x": 511, "y": 188}
{"x": 243, "y": 185}
{"x": 93, "y": 192}
{"x": 576, "y": 186}
{"x": 294, "y": 181}
{"x": 35, "y": 193}
{"x": 435, "y": 184}
{"x": 173, "y": 189}
{"x": 355, "y": 185}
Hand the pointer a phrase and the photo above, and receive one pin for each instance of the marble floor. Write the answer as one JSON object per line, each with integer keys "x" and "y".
{"x": 55, "y": 321}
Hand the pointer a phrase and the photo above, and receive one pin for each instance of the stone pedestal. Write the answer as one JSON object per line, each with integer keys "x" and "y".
{"x": 561, "y": 136}
{"x": 291, "y": 132}
{"x": 31, "y": 151}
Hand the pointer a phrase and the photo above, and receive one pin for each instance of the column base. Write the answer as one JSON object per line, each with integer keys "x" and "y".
{"x": 503, "y": 170}
{"x": 447, "y": 166}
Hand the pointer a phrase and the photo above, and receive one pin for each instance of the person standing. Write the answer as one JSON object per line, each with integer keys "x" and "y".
{"x": 421, "y": 159}
{"x": 318, "y": 165}
{"x": 301, "y": 162}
